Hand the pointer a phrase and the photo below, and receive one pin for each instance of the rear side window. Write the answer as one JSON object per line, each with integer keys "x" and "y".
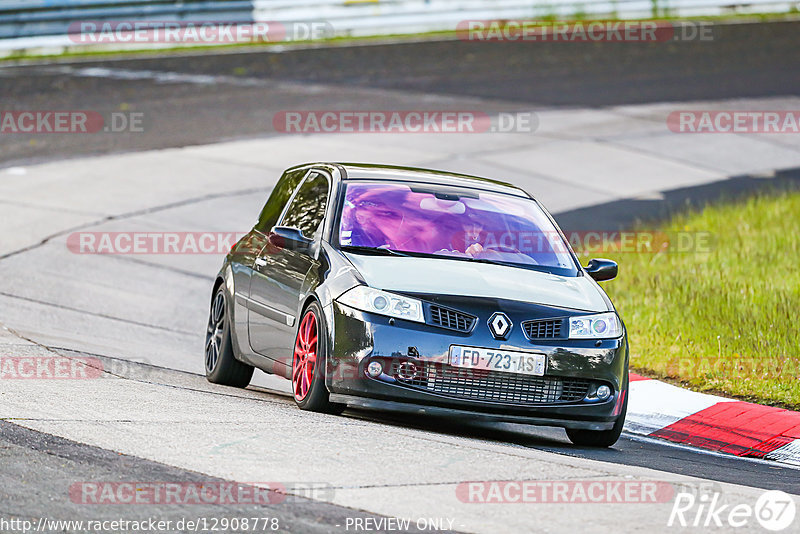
{"x": 277, "y": 200}
{"x": 308, "y": 206}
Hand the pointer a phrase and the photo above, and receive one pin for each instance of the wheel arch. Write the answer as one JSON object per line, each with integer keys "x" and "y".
{"x": 218, "y": 282}
{"x": 223, "y": 279}
{"x": 328, "y": 324}
{"x": 311, "y": 297}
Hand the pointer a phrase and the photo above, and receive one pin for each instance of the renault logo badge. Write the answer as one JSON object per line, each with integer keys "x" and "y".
{"x": 500, "y": 325}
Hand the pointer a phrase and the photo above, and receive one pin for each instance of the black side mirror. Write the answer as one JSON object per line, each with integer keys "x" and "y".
{"x": 290, "y": 238}
{"x": 601, "y": 269}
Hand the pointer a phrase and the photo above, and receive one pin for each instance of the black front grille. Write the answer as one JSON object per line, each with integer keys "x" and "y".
{"x": 491, "y": 386}
{"x": 452, "y": 319}
{"x": 544, "y": 329}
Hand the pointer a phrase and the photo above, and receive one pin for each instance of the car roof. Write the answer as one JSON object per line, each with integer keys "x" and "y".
{"x": 367, "y": 171}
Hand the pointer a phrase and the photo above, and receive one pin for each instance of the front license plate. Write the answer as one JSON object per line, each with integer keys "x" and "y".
{"x": 504, "y": 361}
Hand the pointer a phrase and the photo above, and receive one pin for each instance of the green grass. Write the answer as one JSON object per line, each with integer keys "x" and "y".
{"x": 726, "y": 319}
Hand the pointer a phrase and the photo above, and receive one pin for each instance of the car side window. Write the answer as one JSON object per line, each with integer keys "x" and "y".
{"x": 308, "y": 206}
{"x": 277, "y": 200}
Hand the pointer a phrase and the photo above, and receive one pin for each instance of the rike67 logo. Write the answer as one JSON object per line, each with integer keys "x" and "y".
{"x": 774, "y": 510}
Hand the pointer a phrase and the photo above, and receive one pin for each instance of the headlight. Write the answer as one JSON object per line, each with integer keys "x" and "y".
{"x": 602, "y": 325}
{"x": 376, "y": 301}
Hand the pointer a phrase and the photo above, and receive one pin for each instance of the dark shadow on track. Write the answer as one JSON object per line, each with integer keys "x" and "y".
{"x": 629, "y": 450}
{"x": 628, "y": 213}
{"x": 738, "y": 61}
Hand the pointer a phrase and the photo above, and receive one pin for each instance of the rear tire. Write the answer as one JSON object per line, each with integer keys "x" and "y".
{"x": 601, "y": 438}
{"x": 308, "y": 364}
{"x": 221, "y": 365}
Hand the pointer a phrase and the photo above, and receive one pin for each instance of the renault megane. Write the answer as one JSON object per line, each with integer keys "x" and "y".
{"x": 421, "y": 291}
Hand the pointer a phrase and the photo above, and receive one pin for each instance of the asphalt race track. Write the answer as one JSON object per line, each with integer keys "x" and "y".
{"x": 206, "y": 160}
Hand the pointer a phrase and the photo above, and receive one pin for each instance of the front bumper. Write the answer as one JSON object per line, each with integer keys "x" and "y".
{"x": 556, "y": 399}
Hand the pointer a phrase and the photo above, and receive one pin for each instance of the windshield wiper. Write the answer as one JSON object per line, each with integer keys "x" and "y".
{"x": 494, "y": 262}
{"x": 373, "y": 250}
{"x": 531, "y": 266}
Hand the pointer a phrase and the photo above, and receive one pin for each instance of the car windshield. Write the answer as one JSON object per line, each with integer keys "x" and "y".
{"x": 458, "y": 223}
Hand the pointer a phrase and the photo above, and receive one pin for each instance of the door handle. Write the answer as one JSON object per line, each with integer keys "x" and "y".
{"x": 261, "y": 262}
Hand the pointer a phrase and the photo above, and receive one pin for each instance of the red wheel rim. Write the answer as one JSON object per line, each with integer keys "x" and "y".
{"x": 305, "y": 356}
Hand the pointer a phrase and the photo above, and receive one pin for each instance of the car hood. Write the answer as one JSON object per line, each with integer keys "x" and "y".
{"x": 462, "y": 278}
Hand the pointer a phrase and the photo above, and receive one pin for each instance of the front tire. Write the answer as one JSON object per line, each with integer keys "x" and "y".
{"x": 601, "y": 438}
{"x": 308, "y": 364}
{"x": 221, "y": 365}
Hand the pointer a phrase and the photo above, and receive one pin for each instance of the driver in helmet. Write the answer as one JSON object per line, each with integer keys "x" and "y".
{"x": 472, "y": 237}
